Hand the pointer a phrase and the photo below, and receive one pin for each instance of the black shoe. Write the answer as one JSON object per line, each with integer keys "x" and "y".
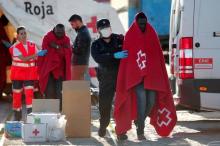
{"x": 102, "y": 132}
{"x": 17, "y": 115}
{"x": 122, "y": 137}
{"x": 29, "y": 110}
{"x": 141, "y": 137}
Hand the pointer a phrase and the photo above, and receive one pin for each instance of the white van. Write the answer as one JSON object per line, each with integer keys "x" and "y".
{"x": 195, "y": 52}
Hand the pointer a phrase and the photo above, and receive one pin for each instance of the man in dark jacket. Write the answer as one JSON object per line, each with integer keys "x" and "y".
{"x": 81, "y": 48}
{"x": 107, "y": 52}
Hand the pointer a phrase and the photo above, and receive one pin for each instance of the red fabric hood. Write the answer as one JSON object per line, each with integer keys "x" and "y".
{"x": 145, "y": 63}
{"x": 48, "y": 63}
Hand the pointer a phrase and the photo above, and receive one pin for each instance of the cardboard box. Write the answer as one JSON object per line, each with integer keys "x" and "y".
{"x": 78, "y": 127}
{"x": 46, "y": 105}
{"x": 13, "y": 129}
{"x": 77, "y": 108}
{"x": 34, "y": 132}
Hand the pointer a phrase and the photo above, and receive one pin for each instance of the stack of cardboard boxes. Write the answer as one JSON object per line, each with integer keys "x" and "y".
{"x": 76, "y": 106}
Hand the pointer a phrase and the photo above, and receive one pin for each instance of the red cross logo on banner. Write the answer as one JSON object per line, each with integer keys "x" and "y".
{"x": 92, "y": 24}
{"x": 141, "y": 60}
{"x": 35, "y": 132}
{"x": 164, "y": 117}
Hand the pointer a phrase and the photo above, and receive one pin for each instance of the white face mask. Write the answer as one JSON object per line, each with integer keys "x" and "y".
{"x": 106, "y": 32}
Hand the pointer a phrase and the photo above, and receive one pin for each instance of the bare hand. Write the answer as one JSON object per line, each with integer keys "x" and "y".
{"x": 54, "y": 45}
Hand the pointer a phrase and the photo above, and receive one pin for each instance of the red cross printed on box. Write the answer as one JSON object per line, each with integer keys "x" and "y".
{"x": 35, "y": 132}
{"x": 141, "y": 59}
{"x": 164, "y": 118}
{"x": 92, "y": 24}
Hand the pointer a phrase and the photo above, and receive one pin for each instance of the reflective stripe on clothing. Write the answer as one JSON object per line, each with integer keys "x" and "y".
{"x": 17, "y": 90}
{"x": 28, "y": 87}
{"x": 29, "y": 106}
{"x": 19, "y": 64}
{"x": 17, "y": 109}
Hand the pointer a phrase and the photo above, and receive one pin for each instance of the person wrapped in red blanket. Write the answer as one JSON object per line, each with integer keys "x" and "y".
{"x": 4, "y": 53}
{"x": 142, "y": 86}
{"x": 55, "y": 67}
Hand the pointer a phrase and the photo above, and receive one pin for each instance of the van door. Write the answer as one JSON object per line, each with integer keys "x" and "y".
{"x": 174, "y": 33}
{"x": 206, "y": 52}
{"x": 207, "y": 39}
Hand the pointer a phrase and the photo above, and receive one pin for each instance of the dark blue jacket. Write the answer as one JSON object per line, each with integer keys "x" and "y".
{"x": 81, "y": 48}
{"x": 103, "y": 53}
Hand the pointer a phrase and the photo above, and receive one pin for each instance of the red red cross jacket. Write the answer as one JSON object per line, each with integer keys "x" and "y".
{"x": 24, "y": 70}
{"x": 145, "y": 63}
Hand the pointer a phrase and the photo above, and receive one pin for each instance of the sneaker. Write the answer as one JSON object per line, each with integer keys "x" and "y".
{"x": 102, "y": 132}
{"x": 122, "y": 137}
{"x": 141, "y": 137}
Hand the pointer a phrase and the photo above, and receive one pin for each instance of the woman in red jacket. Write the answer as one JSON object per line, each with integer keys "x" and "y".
{"x": 23, "y": 71}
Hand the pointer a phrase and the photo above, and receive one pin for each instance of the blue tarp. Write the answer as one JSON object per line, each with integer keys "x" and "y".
{"x": 158, "y": 13}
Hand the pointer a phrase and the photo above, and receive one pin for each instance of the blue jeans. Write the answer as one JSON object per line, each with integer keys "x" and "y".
{"x": 145, "y": 102}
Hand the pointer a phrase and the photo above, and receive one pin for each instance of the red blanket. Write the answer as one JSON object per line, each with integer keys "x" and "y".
{"x": 145, "y": 63}
{"x": 5, "y": 57}
{"x": 52, "y": 60}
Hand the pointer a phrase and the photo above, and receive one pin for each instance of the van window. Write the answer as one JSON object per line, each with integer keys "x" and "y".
{"x": 208, "y": 21}
{"x": 172, "y": 18}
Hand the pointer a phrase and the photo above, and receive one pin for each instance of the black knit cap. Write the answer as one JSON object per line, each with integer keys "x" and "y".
{"x": 103, "y": 23}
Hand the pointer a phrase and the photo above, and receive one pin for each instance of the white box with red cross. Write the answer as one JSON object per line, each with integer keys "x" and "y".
{"x": 52, "y": 119}
{"x": 34, "y": 132}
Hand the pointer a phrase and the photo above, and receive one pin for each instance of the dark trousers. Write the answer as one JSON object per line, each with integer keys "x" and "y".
{"x": 145, "y": 102}
{"x": 107, "y": 84}
{"x": 54, "y": 89}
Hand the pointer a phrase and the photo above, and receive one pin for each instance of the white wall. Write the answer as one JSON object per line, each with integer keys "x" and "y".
{"x": 118, "y": 4}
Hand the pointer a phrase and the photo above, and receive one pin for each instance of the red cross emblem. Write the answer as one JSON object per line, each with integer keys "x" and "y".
{"x": 164, "y": 117}
{"x": 92, "y": 24}
{"x": 35, "y": 132}
{"x": 141, "y": 60}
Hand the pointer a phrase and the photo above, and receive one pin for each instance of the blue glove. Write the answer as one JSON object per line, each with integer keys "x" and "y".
{"x": 42, "y": 53}
{"x": 121, "y": 54}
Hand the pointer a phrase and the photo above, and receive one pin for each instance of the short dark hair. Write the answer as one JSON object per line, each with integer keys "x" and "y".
{"x": 20, "y": 28}
{"x": 75, "y": 17}
{"x": 59, "y": 25}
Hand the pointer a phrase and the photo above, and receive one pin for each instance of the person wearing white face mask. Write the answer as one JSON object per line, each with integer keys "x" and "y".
{"x": 106, "y": 32}
{"x": 107, "y": 52}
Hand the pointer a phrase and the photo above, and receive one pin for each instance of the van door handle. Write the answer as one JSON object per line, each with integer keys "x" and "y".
{"x": 216, "y": 34}
{"x": 173, "y": 46}
{"x": 197, "y": 44}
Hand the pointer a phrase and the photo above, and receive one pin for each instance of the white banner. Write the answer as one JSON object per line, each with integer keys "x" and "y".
{"x": 40, "y": 16}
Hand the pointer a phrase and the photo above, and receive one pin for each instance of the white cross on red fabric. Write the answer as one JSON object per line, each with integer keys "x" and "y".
{"x": 164, "y": 118}
{"x": 141, "y": 59}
